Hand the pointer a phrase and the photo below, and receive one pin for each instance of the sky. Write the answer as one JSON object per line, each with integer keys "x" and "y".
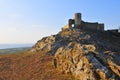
{"x": 27, "y": 21}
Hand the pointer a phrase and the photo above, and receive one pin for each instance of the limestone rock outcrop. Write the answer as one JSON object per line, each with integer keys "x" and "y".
{"x": 85, "y": 55}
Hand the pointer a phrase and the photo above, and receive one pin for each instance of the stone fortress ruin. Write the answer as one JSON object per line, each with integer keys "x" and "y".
{"x": 78, "y": 23}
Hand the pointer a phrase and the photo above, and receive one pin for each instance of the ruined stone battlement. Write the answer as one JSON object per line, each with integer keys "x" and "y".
{"x": 78, "y": 23}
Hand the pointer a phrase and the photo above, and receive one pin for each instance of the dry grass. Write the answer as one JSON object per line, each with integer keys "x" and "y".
{"x": 29, "y": 67}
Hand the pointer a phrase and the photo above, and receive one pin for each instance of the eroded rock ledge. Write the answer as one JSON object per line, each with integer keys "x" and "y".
{"x": 84, "y": 54}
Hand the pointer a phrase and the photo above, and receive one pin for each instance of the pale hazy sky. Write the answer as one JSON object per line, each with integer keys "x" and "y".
{"x": 27, "y": 21}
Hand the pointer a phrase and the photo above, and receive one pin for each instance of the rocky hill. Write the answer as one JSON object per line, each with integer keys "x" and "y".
{"x": 72, "y": 54}
{"x": 86, "y": 55}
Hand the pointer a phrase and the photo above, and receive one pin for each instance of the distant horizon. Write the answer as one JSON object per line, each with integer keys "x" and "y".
{"x": 7, "y": 46}
{"x": 16, "y": 43}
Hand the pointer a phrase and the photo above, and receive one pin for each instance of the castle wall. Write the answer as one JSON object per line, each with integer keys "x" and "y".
{"x": 78, "y": 23}
{"x": 71, "y": 22}
{"x": 89, "y": 26}
{"x": 101, "y": 27}
{"x": 92, "y": 26}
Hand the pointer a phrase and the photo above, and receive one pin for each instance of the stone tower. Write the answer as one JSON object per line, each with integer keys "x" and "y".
{"x": 77, "y": 18}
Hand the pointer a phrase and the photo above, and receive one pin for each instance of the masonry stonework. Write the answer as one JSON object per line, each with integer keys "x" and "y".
{"x": 80, "y": 24}
{"x": 77, "y": 18}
